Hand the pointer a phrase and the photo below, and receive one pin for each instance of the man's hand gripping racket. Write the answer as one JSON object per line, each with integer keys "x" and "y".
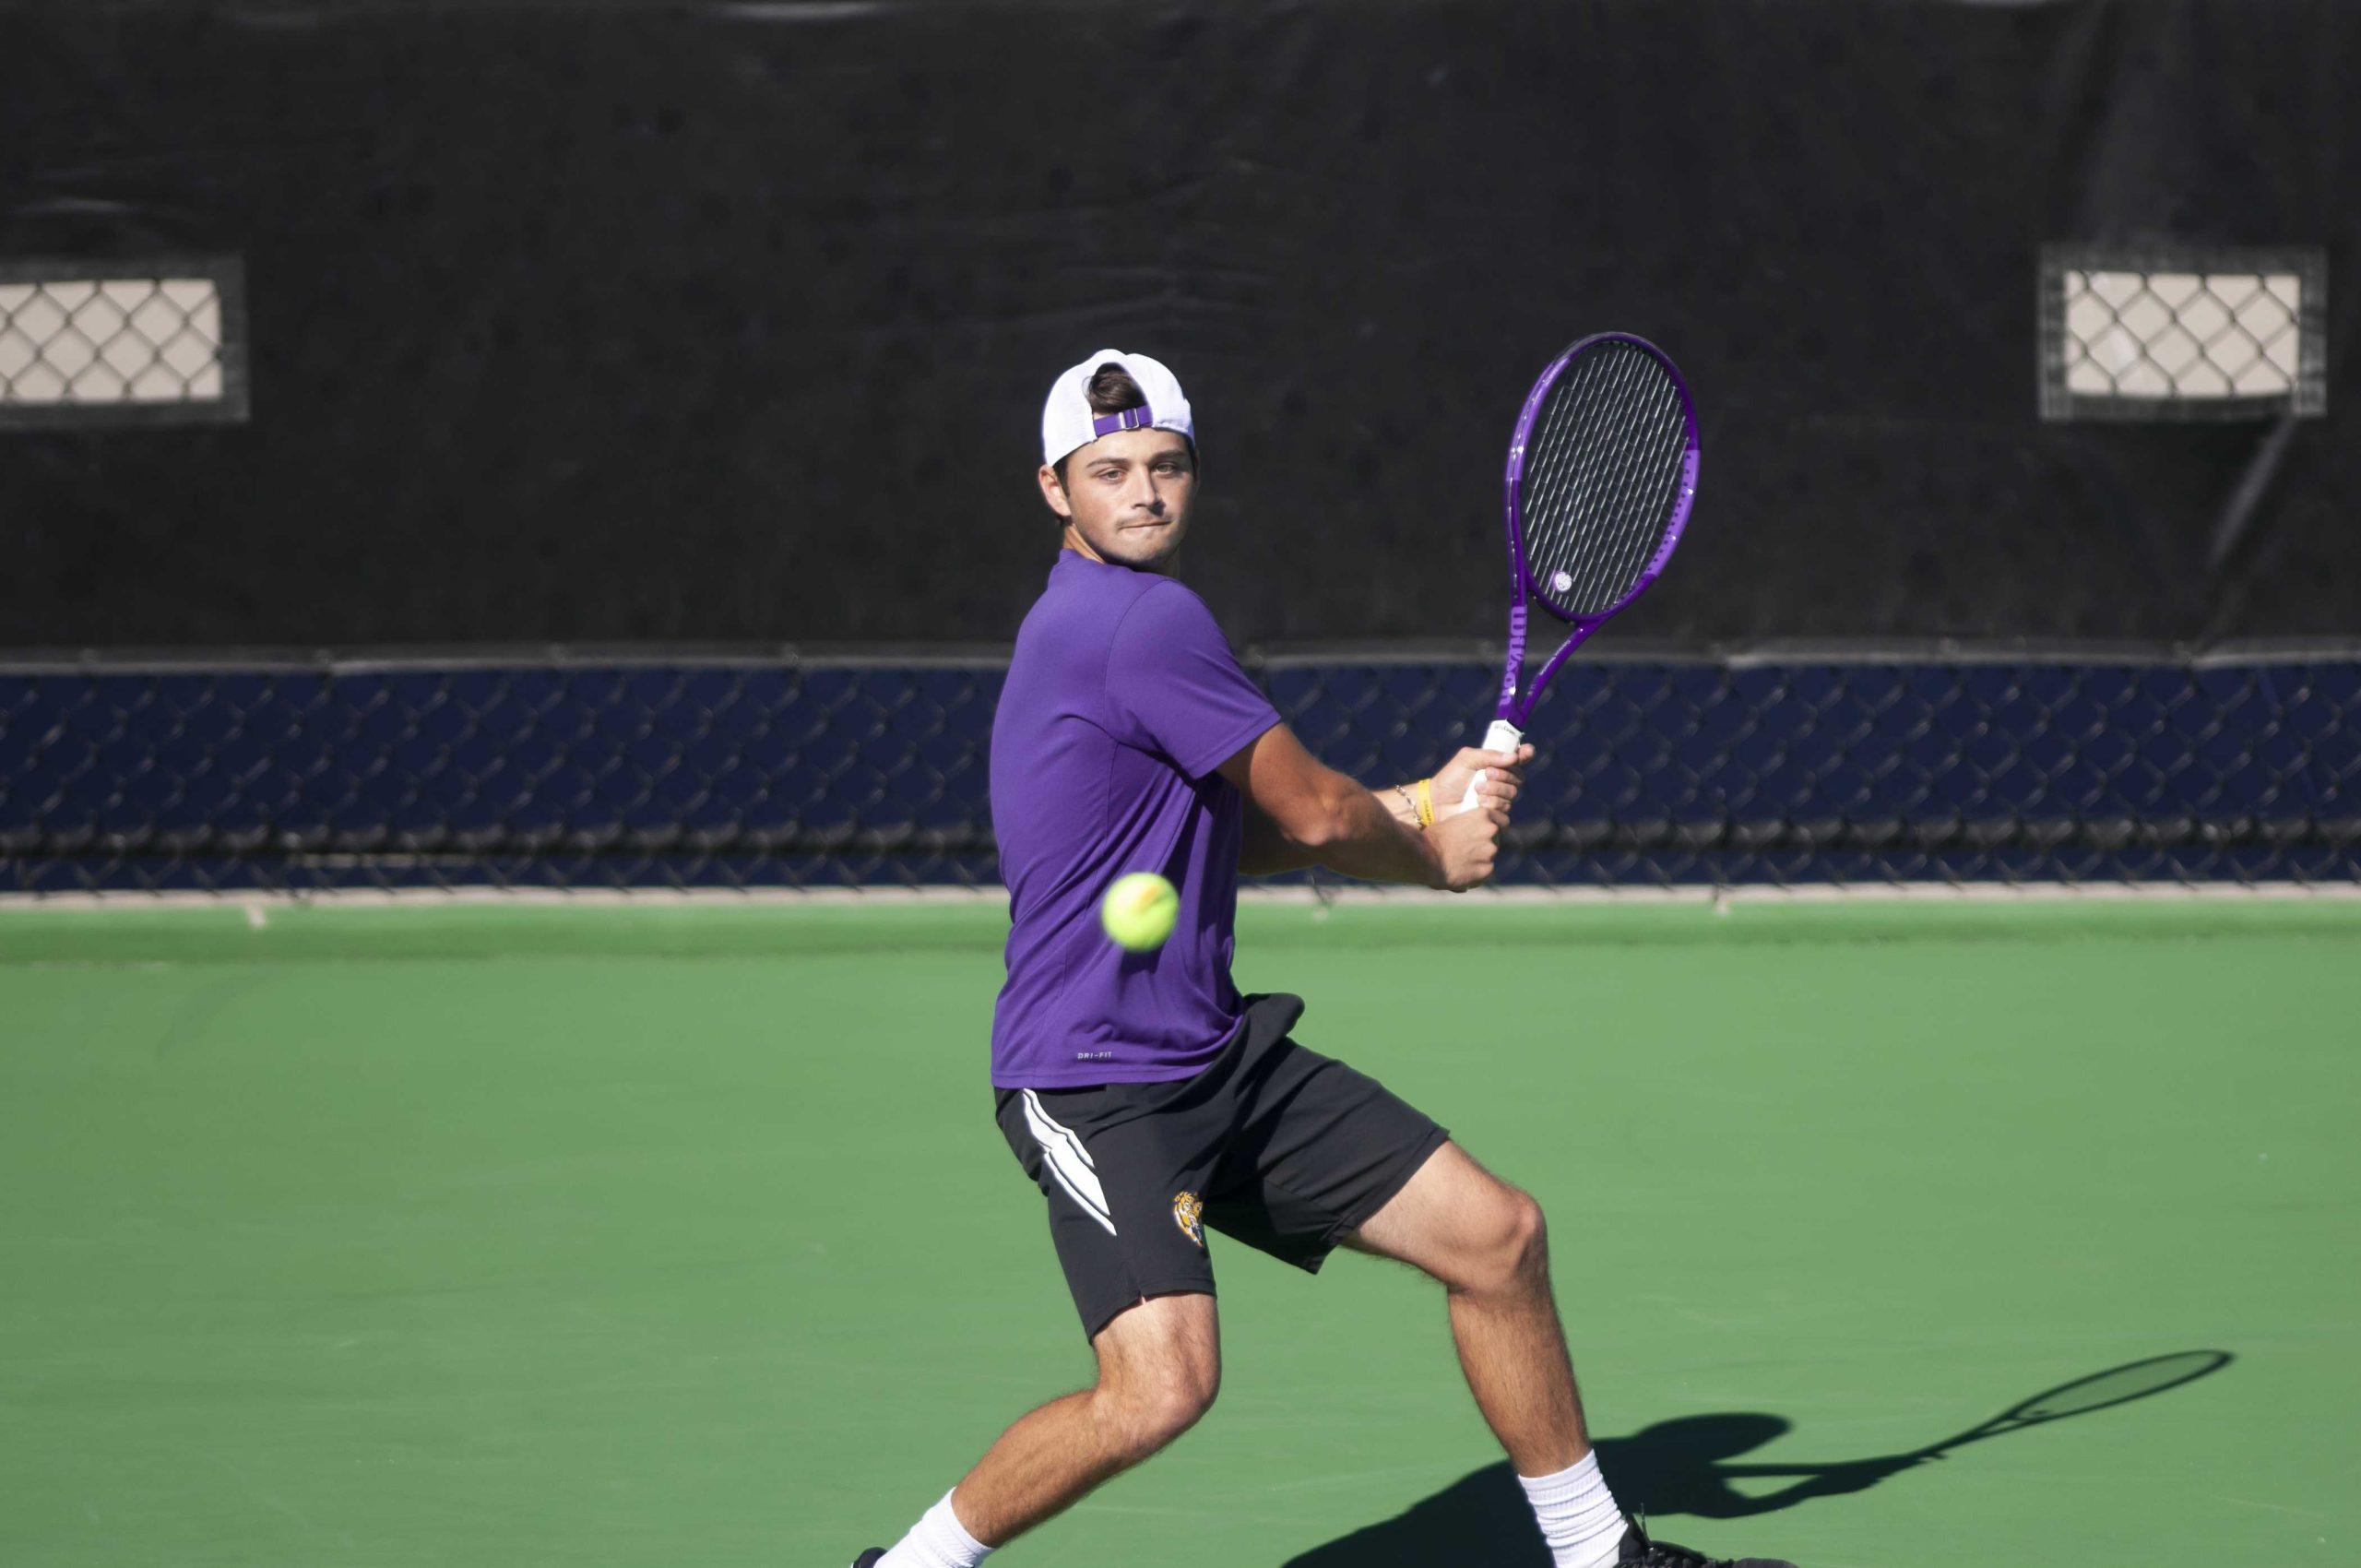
{"x": 1481, "y": 787}
{"x": 1602, "y": 473}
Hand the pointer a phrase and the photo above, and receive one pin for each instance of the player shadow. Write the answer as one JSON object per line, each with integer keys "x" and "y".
{"x": 1677, "y": 1466}
{"x": 1687, "y": 1466}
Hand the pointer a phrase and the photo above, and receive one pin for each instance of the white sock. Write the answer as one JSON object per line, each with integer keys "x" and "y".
{"x": 937, "y": 1541}
{"x": 1577, "y": 1513}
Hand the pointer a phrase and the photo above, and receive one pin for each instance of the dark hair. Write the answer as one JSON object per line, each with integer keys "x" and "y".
{"x": 1111, "y": 391}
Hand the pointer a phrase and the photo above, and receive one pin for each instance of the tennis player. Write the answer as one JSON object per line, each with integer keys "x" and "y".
{"x": 1148, "y": 1098}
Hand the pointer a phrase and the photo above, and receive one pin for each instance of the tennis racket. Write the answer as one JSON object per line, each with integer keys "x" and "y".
{"x": 2116, "y": 1385}
{"x": 1602, "y": 473}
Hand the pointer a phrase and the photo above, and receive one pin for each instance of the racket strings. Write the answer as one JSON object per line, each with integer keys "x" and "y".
{"x": 1569, "y": 460}
{"x": 1605, "y": 470}
{"x": 1652, "y": 479}
{"x": 1633, "y": 514}
{"x": 1621, "y": 500}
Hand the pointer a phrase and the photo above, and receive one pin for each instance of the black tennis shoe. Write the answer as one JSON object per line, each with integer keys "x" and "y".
{"x": 1640, "y": 1552}
{"x": 871, "y": 1558}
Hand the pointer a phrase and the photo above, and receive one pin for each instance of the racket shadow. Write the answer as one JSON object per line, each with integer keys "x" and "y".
{"x": 1690, "y": 1465}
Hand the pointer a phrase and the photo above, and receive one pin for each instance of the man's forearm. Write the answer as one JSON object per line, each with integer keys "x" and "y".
{"x": 1301, "y": 812}
{"x": 1375, "y": 841}
{"x": 1266, "y": 850}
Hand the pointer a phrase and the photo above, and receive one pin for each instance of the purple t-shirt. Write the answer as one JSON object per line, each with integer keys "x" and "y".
{"x": 1122, "y": 700}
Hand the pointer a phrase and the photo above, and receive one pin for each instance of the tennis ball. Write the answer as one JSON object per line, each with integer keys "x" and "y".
{"x": 1139, "y": 910}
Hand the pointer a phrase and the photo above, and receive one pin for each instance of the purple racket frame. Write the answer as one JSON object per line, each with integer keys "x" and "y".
{"x": 1517, "y": 700}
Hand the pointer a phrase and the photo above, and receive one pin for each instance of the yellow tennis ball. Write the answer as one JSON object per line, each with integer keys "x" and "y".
{"x": 1139, "y": 910}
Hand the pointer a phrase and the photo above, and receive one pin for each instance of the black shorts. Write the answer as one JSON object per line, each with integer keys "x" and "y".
{"x": 1273, "y": 1145}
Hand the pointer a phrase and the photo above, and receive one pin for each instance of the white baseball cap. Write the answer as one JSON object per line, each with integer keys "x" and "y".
{"x": 1068, "y": 424}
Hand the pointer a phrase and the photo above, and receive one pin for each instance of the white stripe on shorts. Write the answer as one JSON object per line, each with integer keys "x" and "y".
{"x": 1069, "y": 1162}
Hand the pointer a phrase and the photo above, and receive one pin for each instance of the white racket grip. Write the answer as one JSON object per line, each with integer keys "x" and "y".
{"x": 1502, "y": 736}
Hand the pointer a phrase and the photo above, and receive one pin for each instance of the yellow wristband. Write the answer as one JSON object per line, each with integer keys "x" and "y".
{"x": 1426, "y": 803}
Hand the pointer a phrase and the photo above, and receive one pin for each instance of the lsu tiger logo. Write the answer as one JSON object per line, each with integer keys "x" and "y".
{"x": 1189, "y": 1214}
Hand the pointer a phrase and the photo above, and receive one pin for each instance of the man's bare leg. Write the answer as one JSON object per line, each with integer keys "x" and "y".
{"x": 1159, "y": 1366}
{"x": 1487, "y": 1242}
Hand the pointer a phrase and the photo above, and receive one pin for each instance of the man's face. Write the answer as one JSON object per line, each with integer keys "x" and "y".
{"x": 1126, "y": 497}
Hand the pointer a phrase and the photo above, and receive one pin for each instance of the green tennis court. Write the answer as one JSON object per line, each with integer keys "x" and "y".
{"x": 504, "y": 1234}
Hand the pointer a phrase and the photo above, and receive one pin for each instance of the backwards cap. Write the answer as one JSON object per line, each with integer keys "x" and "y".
{"x": 1067, "y": 422}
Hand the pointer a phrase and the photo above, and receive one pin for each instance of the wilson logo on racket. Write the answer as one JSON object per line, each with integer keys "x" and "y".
{"x": 1187, "y": 1213}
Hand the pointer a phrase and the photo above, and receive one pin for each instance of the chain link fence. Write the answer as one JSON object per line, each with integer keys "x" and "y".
{"x": 833, "y": 774}
{"x": 2149, "y": 333}
{"x": 89, "y": 343}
